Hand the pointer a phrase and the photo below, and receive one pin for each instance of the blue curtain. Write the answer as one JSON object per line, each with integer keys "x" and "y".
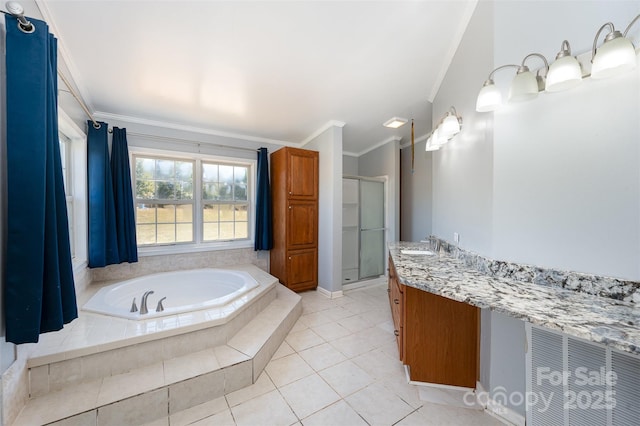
{"x": 123, "y": 197}
{"x": 264, "y": 229}
{"x": 39, "y": 288}
{"x": 103, "y": 243}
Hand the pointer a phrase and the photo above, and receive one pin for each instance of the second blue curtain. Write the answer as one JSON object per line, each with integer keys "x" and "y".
{"x": 123, "y": 197}
{"x": 264, "y": 229}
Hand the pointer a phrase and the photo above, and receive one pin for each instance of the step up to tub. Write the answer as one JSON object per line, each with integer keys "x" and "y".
{"x": 149, "y": 392}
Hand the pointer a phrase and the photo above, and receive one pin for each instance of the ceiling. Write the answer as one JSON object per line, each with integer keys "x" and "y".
{"x": 278, "y": 70}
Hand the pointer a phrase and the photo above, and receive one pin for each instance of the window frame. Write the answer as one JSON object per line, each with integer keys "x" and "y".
{"x": 198, "y": 244}
{"x": 76, "y": 168}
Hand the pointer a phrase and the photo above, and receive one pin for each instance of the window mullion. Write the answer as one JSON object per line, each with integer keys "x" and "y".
{"x": 198, "y": 218}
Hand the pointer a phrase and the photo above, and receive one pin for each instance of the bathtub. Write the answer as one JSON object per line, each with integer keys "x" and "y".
{"x": 185, "y": 291}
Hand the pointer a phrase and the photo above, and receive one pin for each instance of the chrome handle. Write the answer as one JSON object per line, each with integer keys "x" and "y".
{"x": 134, "y": 307}
{"x": 160, "y": 308}
{"x": 396, "y": 332}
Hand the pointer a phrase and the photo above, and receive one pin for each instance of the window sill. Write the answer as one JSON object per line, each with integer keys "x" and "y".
{"x": 193, "y": 248}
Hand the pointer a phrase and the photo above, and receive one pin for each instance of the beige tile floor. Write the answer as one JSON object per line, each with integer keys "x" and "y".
{"x": 338, "y": 366}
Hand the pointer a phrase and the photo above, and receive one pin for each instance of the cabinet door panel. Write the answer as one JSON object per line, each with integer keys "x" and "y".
{"x": 302, "y": 269}
{"x": 303, "y": 174}
{"x": 302, "y": 224}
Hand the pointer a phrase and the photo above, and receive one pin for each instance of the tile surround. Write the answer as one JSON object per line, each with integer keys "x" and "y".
{"x": 379, "y": 399}
{"x": 312, "y": 399}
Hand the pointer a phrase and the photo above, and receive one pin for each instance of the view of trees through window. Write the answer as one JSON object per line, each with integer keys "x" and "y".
{"x": 166, "y": 206}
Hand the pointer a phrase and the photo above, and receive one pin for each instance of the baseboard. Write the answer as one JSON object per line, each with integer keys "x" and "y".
{"x": 329, "y": 294}
{"x": 497, "y": 410}
{"x": 365, "y": 283}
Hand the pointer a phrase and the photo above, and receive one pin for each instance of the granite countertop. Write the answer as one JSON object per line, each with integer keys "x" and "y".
{"x": 614, "y": 323}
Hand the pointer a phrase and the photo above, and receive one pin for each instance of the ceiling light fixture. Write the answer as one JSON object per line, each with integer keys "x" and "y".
{"x": 395, "y": 122}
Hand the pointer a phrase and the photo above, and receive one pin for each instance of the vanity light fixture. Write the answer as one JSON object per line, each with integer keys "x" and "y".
{"x": 525, "y": 84}
{"x": 490, "y": 98}
{"x": 448, "y": 126}
{"x": 565, "y": 73}
{"x": 395, "y": 122}
{"x": 451, "y": 124}
{"x": 616, "y": 55}
{"x": 430, "y": 146}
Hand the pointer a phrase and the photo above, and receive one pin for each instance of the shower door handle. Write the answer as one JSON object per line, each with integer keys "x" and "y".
{"x": 373, "y": 229}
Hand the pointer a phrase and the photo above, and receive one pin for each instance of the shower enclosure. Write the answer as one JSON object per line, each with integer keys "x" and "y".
{"x": 363, "y": 228}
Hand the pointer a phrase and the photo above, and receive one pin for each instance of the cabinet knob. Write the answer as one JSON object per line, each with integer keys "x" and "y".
{"x": 396, "y": 301}
{"x": 290, "y": 192}
{"x": 388, "y": 290}
{"x": 289, "y": 257}
{"x": 289, "y": 207}
{"x": 396, "y": 332}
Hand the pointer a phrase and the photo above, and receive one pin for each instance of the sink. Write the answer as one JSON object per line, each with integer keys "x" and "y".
{"x": 418, "y": 252}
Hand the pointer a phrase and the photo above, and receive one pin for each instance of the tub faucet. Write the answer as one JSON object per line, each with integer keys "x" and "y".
{"x": 143, "y": 302}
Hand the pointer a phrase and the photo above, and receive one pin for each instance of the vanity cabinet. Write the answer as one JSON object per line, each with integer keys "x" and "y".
{"x": 294, "y": 191}
{"x": 438, "y": 338}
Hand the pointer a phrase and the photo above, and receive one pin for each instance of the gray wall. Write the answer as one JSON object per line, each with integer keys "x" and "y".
{"x": 385, "y": 161}
{"x": 567, "y": 165}
{"x": 462, "y": 169}
{"x": 349, "y": 165}
{"x": 329, "y": 144}
{"x": 549, "y": 182}
{"x": 415, "y": 193}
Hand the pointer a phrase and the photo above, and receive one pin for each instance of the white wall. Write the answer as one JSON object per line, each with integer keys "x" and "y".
{"x": 415, "y": 193}
{"x": 567, "y": 165}
{"x": 329, "y": 145}
{"x": 385, "y": 161}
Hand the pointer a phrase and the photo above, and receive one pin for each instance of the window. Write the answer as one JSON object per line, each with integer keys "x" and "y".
{"x": 197, "y": 201}
{"x": 224, "y": 202}
{"x": 164, "y": 201}
{"x": 65, "y": 157}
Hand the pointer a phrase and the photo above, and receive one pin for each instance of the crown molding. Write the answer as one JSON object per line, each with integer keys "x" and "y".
{"x": 185, "y": 128}
{"x": 328, "y": 125}
{"x": 418, "y": 140}
{"x": 371, "y": 148}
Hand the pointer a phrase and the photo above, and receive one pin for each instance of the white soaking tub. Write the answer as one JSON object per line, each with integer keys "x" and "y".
{"x": 185, "y": 291}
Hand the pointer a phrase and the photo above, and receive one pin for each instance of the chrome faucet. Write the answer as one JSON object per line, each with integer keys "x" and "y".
{"x": 143, "y": 302}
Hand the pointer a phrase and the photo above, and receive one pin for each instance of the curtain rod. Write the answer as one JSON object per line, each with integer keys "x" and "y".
{"x": 198, "y": 143}
{"x": 78, "y": 99}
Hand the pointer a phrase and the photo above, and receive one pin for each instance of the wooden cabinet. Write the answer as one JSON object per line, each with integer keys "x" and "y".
{"x": 438, "y": 338}
{"x": 294, "y": 189}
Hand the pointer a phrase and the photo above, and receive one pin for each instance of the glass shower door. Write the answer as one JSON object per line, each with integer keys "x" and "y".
{"x": 372, "y": 230}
